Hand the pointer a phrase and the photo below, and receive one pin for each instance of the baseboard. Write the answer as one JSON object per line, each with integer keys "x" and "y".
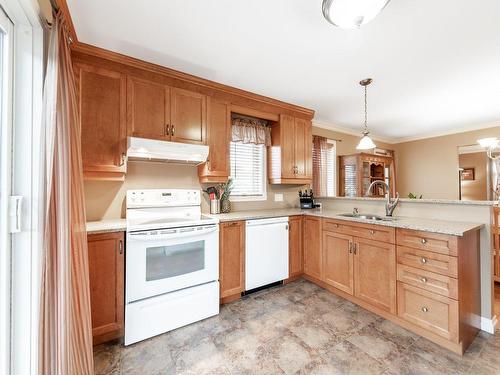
{"x": 489, "y": 325}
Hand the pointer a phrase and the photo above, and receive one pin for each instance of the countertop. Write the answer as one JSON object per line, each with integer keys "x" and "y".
{"x": 454, "y": 228}
{"x": 106, "y": 226}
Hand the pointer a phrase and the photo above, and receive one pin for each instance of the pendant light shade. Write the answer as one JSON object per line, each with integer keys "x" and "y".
{"x": 351, "y": 14}
{"x": 366, "y": 142}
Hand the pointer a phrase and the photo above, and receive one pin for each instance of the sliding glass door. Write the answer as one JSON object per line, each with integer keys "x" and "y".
{"x": 7, "y": 212}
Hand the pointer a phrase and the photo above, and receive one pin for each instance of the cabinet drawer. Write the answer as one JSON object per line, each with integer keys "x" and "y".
{"x": 428, "y": 310}
{"x": 371, "y": 232}
{"x": 433, "y": 282}
{"x": 427, "y": 260}
{"x": 438, "y": 243}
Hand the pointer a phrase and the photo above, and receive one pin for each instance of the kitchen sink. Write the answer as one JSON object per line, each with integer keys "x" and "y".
{"x": 367, "y": 217}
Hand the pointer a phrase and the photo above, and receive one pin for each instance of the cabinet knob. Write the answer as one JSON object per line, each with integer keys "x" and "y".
{"x": 350, "y": 247}
{"x": 167, "y": 129}
{"x": 423, "y": 260}
{"x": 120, "y": 247}
{"x": 372, "y": 232}
{"x": 423, "y": 279}
{"x": 424, "y": 241}
{"x": 173, "y": 130}
{"x": 425, "y": 309}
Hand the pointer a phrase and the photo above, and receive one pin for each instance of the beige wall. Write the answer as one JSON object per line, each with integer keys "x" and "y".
{"x": 430, "y": 166}
{"x": 474, "y": 190}
{"x": 106, "y": 199}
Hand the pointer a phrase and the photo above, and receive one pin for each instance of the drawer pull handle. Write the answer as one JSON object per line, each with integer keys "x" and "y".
{"x": 423, "y": 279}
{"x": 372, "y": 231}
{"x": 335, "y": 225}
{"x": 423, "y": 260}
{"x": 425, "y": 309}
{"x": 424, "y": 241}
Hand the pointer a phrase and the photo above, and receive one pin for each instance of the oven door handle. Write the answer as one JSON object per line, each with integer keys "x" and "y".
{"x": 179, "y": 233}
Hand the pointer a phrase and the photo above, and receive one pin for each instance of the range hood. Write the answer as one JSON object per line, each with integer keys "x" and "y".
{"x": 169, "y": 152}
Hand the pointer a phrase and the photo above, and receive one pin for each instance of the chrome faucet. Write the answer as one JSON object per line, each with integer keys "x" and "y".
{"x": 390, "y": 204}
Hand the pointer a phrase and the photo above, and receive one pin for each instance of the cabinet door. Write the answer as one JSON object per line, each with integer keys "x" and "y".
{"x": 148, "y": 109}
{"x": 313, "y": 262}
{"x": 287, "y": 140}
{"x": 375, "y": 270}
{"x": 189, "y": 117}
{"x": 303, "y": 148}
{"x": 295, "y": 243}
{"x": 232, "y": 258}
{"x": 338, "y": 261}
{"x": 102, "y": 102}
{"x": 106, "y": 273}
{"x": 216, "y": 169}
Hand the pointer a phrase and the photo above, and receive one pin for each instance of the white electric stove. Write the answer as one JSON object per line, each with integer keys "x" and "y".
{"x": 172, "y": 262}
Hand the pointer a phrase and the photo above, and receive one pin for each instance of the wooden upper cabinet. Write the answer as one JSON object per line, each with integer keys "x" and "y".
{"x": 232, "y": 258}
{"x": 338, "y": 261}
{"x": 101, "y": 95}
{"x": 375, "y": 270}
{"x": 290, "y": 156}
{"x": 189, "y": 117}
{"x": 107, "y": 278}
{"x": 296, "y": 246}
{"x": 216, "y": 169}
{"x": 313, "y": 260}
{"x": 148, "y": 109}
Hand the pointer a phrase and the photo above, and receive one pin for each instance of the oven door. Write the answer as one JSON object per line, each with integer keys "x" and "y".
{"x": 162, "y": 261}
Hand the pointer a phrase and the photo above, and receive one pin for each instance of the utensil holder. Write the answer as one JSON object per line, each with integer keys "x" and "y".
{"x": 215, "y": 206}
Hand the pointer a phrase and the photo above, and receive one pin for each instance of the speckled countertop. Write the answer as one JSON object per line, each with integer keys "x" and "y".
{"x": 105, "y": 226}
{"x": 455, "y": 228}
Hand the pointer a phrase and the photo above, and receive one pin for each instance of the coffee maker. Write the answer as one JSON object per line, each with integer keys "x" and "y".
{"x": 306, "y": 198}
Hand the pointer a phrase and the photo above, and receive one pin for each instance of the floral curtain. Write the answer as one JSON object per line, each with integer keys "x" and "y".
{"x": 250, "y": 130}
{"x": 65, "y": 340}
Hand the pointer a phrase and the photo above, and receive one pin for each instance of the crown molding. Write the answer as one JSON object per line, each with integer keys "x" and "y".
{"x": 464, "y": 129}
{"x": 344, "y": 130}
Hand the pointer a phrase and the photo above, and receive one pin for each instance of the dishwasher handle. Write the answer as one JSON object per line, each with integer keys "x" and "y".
{"x": 271, "y": 221}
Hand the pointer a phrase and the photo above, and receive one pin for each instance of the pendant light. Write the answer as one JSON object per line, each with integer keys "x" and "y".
{"x": 352, "y": 14}
{"x": 366, "y": 142}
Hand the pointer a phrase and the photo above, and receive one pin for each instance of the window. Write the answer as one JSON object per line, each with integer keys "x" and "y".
{"x": 248, "y": 171}
{"x": 324, "y": 167}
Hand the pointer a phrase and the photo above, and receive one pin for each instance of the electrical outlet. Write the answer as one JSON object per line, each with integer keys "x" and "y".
{"x": 278, "y": 197}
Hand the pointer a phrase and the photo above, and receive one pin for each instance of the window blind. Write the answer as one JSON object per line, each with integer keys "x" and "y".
{"x": 324, "y": 167}
{"x": 247, "y": 169}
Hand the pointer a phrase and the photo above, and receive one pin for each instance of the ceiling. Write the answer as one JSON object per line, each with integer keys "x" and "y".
{"x": 435, "y": 64}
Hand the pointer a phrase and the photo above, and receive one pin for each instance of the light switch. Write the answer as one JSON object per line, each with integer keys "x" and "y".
{"x": 278, "y": 197}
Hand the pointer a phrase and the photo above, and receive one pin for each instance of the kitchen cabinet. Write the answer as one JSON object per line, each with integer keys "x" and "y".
{"x": 101, "y": 95}
{"x": 107, "y": 278}
{"x": 313, "y": 262}
{"x": 216, "y": 169}
{"x": 148, "y": 109}
{"x": 157, "y": 111}
{"x": 375, "y": 273}
{"x": 427, "y": 283}
{"x": 290, "y": 155}
{"x": 338, "y": 260}
{"x": 296, "y": 246}
{"x": 231, "y": 260}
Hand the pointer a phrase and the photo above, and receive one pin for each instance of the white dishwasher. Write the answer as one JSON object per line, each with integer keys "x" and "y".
{"x": 266, "y": 252}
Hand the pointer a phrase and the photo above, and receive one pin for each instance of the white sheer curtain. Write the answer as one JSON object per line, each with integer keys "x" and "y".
{"x": 65, "y": 342}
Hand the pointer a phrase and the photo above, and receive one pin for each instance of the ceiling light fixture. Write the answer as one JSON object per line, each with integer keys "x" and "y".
{"x": 490, "y": 144}
{"x": 366, "y": 142}
{"x": 352, "y": 14}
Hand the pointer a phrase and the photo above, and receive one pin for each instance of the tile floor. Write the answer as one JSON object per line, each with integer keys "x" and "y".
{"x": 298, "y": 328}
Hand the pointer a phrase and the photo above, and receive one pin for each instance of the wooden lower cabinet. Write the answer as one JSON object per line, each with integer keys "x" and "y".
{"x": 231, "y": 260}
{"x": 338, "y": 261}
{"x": 375, "y": 273}
{"x": 295, "y": 246}
{"x": 313, "y": 262}
{"x": 433, "y": 292}
{"x": 106, "y": 255}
